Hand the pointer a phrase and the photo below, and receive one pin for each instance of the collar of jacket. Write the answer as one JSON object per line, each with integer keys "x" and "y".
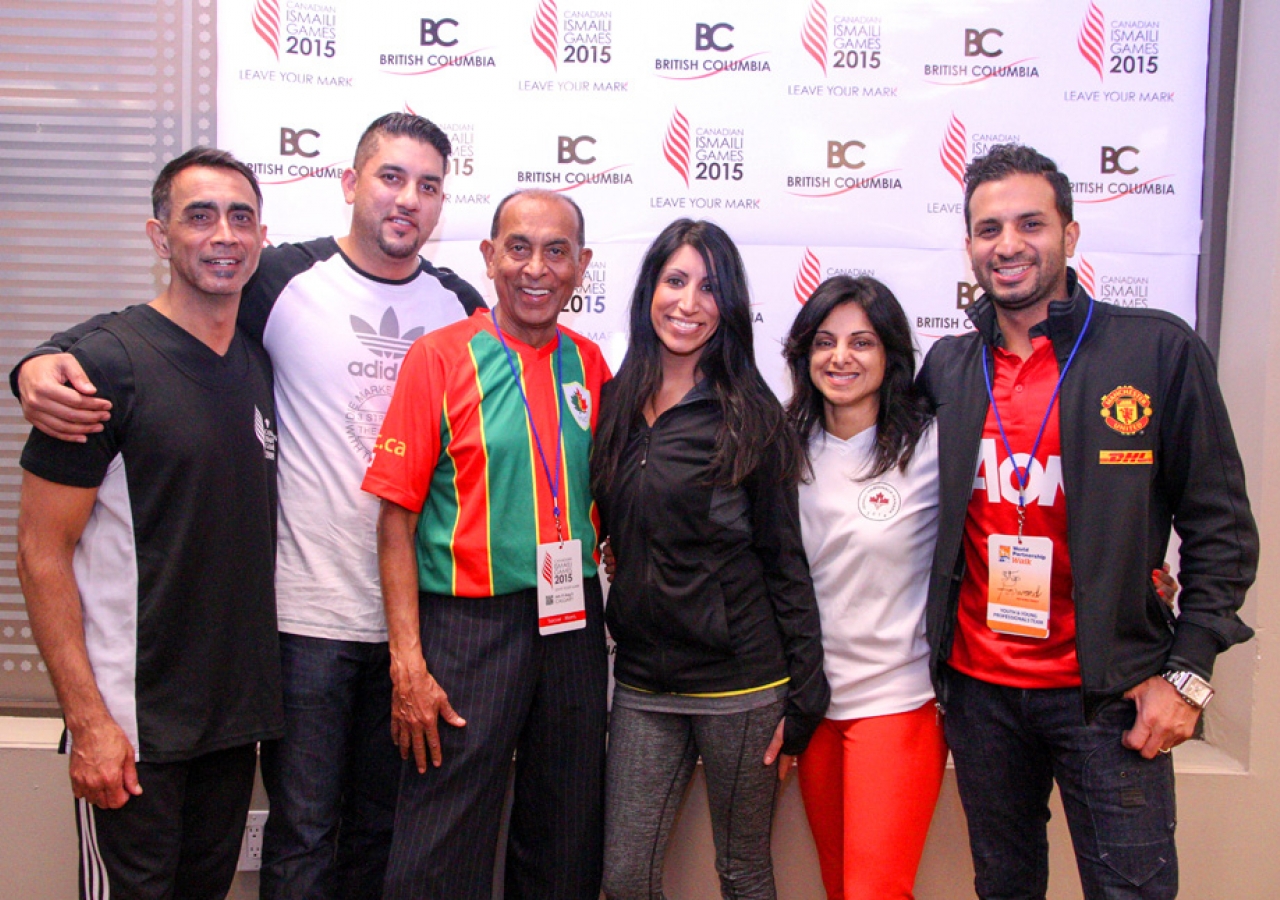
{"x": 700, "y": 391}
{"x": 1066, "y": 318}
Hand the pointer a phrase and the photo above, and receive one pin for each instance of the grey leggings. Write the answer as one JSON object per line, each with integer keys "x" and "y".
{"x": 651, "y": 759}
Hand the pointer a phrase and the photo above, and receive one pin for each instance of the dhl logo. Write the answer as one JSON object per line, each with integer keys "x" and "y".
{"x": 1126, "y": 457}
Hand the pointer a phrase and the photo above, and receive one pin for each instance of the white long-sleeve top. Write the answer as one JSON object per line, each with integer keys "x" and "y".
{"x": 870, "y": 546}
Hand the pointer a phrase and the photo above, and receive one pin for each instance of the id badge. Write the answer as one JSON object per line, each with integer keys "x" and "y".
{"x": 1018, "y": 584}
{"x": 561, "y": 603}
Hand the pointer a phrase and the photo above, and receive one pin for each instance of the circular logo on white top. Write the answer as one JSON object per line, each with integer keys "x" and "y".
{"x": 879, "y": 502}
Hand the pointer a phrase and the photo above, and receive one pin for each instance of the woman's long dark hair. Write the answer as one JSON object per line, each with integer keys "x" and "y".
{"x": 904, "y": 411}
{"x": 752, "y": 418}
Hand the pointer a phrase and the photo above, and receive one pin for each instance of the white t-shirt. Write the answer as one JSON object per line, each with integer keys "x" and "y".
{"x": 336, "y": 337}
{"x": 870, "y": 548}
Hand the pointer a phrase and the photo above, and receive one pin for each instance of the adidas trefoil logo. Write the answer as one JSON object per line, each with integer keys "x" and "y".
{"x": 266, "y": 436}
{"x": 385, "y": 341}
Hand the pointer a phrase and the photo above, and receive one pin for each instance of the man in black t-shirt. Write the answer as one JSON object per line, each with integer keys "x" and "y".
{"x": 145, "y": 554}
{"x": 335, "y": 315}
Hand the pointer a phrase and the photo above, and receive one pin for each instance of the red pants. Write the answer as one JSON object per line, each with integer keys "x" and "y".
{"x": 869, "y": 787}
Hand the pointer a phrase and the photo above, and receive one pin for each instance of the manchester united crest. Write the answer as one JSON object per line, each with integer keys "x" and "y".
{"x": 1126, "y": 410}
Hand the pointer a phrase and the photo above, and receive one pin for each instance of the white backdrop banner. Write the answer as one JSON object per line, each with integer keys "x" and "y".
{"x": 825, "y": 136}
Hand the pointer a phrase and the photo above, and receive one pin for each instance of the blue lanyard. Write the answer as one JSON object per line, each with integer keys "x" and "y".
{"x": 1023, "y": 473}
{"x": 515, "y": 373}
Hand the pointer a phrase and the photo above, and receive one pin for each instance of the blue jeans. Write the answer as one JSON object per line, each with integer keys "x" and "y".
{"x": 332, "y": 778}
{"x": 1010, "y": 745}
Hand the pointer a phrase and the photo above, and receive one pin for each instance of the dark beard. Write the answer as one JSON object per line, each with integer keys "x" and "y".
{"x": 396, "y": 251}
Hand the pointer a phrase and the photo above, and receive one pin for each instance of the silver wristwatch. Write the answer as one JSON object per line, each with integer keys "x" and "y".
{"x": 1194, "y": 689}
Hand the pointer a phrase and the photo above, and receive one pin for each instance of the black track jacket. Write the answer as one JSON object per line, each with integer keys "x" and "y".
{"x": 712, "y": 591}
{"x": 1118, "y": 513}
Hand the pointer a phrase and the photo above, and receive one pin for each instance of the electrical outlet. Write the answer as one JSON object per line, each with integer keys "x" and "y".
{"x": 251, "y": 847}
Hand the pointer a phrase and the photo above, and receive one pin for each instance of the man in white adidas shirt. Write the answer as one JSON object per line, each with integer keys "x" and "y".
{"x": 336, "y": 316}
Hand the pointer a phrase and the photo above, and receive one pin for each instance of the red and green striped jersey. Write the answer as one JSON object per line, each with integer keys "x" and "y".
{"x": 456, "y": 445}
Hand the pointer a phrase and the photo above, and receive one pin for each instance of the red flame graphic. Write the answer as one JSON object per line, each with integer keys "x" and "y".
{"x": 266, "y": 21}
{"x": 807, "y": 276}
{"x": 1086, "y": 277}
{"x": 675, "y": 146}
{"x": 952, "y": 151}
{"x": 814, "y": 34}
{"x": 546, "y": 30}
{"x": 1090, "y": 40}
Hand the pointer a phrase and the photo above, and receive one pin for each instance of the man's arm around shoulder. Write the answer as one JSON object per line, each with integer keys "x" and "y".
{"x": 57, "y": 396}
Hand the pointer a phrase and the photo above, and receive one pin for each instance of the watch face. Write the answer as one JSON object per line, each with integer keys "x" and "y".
{"x": 1197, "y": 690}
{"x": 1194, "y": 689}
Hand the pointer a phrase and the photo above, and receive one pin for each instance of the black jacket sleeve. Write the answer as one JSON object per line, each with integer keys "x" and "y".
{"x": 775, "y": 526}
{"x": 1203, "y": 481}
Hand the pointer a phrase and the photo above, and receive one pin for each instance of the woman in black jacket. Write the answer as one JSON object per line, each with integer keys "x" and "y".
{"x": 711, "y": 607}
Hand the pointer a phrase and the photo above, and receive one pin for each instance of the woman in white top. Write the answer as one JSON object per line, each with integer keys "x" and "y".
{"x": 868, "y": 515}
{"x": 868, "y": 512}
